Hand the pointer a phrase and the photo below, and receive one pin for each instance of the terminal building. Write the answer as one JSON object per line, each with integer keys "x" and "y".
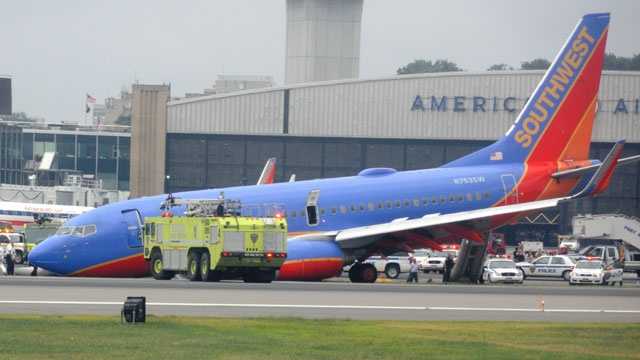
{"x": 337, "y": 128}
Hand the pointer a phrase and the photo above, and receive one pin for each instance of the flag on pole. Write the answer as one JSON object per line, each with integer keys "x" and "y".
{"x": 90, "y": 100}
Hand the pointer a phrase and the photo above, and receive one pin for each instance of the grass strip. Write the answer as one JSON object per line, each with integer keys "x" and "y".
{"x": 102, "y": 337}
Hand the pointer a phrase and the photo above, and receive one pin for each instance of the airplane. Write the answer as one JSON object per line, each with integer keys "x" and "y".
{"x": 540, "y": 162}
{"x": 18, "y": 213}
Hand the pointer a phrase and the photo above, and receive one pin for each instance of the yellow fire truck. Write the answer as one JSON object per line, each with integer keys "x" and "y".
{"x": 211, "y": 241}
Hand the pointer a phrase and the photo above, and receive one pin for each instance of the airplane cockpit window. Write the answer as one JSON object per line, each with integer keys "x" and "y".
{"x": 89, "y": 230}
{"x": 78, "y": 231}
{"x": 64, "y": 230}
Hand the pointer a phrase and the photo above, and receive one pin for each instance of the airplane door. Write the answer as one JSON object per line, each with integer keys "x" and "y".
{"x": 313, "y": 215}
{"x": 510, "y": 188}
{"x": 134, "y": 225}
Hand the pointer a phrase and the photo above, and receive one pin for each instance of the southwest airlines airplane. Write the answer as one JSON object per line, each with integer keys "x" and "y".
{"x": 540, "y": 162}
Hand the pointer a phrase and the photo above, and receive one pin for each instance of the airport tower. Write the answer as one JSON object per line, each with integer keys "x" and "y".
{"x": 323, "y": 40}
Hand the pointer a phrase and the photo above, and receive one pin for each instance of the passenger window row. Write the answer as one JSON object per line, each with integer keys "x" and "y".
{"x": 390, "y": 204}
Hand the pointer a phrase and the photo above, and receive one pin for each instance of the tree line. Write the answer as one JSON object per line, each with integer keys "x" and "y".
{"x": 611, "y": 62}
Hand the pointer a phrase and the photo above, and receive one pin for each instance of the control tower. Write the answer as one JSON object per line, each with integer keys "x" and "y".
{"x": 323, "y": 40}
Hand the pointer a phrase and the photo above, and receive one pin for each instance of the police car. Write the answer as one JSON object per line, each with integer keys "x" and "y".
{"x": 595, "y": 272}
{"x": 501, "y": 270}
{"x": 559, "y": 266}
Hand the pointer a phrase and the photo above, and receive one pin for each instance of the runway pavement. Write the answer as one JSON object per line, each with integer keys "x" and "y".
{"x": 536, "y": 300}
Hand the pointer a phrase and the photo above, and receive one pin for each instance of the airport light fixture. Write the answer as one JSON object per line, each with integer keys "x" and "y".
{"x": 134, "y": 310}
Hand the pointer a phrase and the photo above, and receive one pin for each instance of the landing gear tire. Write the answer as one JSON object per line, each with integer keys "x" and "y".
{"x": 392, "y": 271}
{"x": 193, "y": 266}
{"x": 566, "y": 275}
{"x": 363, "y": 273}
{"x": 354, "y": 273}
{"x": 157, "y": 270}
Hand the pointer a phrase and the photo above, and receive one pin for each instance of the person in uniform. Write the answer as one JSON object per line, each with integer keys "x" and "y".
{"x": 8, "y": 259}
{"x": 448, "y": 266}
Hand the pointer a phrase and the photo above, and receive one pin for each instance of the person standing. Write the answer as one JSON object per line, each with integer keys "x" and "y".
{"x": 8, "y": 259}
{"x": 448, "y": 266}
{"x": 413, "y": 270}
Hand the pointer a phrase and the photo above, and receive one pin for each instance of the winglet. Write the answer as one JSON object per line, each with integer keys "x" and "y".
{"x": 601, "y": 179}
{"x": 268, "y": 174}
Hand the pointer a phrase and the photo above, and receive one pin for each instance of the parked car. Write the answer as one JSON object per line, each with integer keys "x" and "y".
{"x": 548, "y": 266}
{"x": 435, "y": 261}
{"x": 595, "y": 272}
{"x": 501, "y": 270}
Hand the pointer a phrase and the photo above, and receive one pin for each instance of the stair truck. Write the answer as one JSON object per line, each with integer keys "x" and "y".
{"x": 212, "y": 241}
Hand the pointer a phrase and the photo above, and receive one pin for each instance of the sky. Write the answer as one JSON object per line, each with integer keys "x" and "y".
{"x": 58, "y": 51}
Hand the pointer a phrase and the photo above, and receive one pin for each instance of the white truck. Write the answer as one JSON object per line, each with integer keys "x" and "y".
{"x": 393, "y": 265}
{"x": 531, "y": 246}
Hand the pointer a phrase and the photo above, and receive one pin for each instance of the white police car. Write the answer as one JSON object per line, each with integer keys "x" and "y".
{"x": 559, "y": 266}
{"x": 595, "y": 272}
{"x": 501, "y": 270}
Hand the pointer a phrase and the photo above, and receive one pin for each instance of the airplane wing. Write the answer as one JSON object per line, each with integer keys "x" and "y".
{"x": 466, "y": 223}
{"x": 367, "y": 235}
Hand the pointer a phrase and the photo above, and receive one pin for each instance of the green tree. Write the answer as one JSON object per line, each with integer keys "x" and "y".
{"x": 535, "y": 64}
{"x": 499, "y": 67}
{"x": 613, "y": 62}
{"x": 423, "y": 66}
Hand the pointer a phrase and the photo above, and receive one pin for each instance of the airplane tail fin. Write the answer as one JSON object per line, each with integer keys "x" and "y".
{"x": 268, "y": 174}
{"x": 556, "y": 122}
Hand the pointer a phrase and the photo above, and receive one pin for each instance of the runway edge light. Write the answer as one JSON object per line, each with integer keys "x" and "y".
{"x": 134, "y": 310}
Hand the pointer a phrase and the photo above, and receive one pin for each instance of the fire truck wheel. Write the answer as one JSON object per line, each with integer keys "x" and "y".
{"x": 205, "y": 261}
{"x": 193, "y": 266}
{"x": 156, "y": 267}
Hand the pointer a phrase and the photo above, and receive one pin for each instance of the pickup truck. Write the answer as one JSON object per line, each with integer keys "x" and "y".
{"x": 393, "y": 265}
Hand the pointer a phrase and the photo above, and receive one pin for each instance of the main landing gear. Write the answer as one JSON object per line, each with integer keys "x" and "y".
{"x": 363, "y": 273}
